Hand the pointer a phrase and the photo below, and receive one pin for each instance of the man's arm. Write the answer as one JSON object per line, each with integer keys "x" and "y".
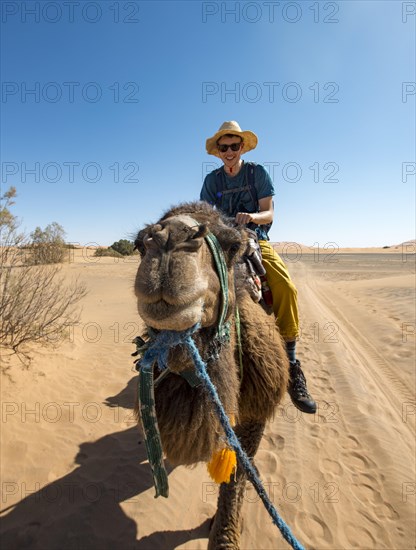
{"x": 259, "y": 218}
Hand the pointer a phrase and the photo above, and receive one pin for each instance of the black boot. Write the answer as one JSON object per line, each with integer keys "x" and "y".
{"x": 298, "y": 391}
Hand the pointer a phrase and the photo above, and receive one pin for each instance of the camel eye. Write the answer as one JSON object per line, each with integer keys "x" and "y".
{"x": 234, "y": 248}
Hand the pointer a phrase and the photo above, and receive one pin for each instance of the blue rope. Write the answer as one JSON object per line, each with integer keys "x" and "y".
{"x": 160, "y": 344}
{"x": 158, "y": 350}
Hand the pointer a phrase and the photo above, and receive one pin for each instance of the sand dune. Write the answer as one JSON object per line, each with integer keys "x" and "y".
{"x": 74, "y": 470}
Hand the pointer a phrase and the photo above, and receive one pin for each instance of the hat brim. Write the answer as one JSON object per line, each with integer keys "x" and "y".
{"x": 249, "y": 141}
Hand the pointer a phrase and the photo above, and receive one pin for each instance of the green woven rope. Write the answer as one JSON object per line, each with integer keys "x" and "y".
{"x": 151, "y": 431}
{"x": 240, "y": 348}
{"x": 221, "y": 266}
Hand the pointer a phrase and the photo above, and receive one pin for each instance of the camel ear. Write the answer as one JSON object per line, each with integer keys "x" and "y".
{"x": 202, "y": 231}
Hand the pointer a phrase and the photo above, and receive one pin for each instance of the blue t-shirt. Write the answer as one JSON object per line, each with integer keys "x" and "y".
{"x": 236, "y": 197}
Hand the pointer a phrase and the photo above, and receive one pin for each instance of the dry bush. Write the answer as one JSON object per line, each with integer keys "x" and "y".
{"x": 107, "y": 252}
{"x": 36, "y": 303}
{"x": 48, "y": 253}
{"x": 47, "y": 245}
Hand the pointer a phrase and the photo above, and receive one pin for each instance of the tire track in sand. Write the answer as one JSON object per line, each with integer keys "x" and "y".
{"x": 358, "y": 440}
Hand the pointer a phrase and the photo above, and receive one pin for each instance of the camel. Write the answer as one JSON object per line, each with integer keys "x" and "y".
{"x": 177, "y": 286}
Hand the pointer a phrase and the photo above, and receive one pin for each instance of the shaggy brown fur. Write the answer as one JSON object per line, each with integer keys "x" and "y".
{"x": 177, "y": 285}
{"x": 189, "y": 427}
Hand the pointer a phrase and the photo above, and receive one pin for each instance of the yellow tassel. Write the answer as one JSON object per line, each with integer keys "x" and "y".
{"x": 222, "y": 465}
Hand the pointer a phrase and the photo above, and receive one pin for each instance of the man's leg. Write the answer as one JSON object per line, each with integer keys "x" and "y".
{"x": 285, "y": 307}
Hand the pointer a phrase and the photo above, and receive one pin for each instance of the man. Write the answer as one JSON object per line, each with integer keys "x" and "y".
{"x": 245, "y": 192}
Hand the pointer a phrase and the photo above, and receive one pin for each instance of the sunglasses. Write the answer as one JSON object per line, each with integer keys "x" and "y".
{"x": 224, "y": 148}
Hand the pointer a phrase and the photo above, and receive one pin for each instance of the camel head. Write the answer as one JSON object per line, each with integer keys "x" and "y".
{"x": 177, "y": 284}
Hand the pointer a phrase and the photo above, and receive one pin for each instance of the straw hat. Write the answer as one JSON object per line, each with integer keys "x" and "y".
{"x": 231, "y": 127}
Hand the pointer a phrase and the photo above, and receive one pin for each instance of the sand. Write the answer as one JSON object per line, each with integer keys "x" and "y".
{"x": 74, "y": 473}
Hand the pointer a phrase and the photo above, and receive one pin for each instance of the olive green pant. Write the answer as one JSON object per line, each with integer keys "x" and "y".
{"x": 285, "y": 303}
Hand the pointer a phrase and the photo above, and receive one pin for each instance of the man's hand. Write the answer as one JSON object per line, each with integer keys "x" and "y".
{"x": 244, "y": 217}
{"x": 265, "y": 214}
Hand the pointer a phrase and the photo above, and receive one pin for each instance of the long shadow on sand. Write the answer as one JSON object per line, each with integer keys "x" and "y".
{"x": 81, "y": 511}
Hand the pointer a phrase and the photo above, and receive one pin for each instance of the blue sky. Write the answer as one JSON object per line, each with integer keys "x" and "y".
{"x": 124, "y": 95}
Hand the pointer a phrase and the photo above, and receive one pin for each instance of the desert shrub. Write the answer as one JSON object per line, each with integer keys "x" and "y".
{"x": 107, "y": 252}
{"x": 48, "y": 245}
{"x": 123, "y": 247}
{"x": 36, "y": 303}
